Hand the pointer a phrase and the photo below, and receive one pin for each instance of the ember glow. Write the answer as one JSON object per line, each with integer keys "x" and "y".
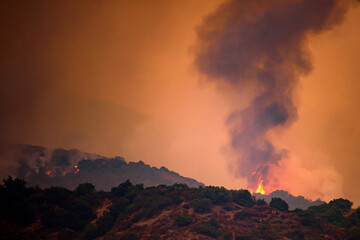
{"x": 76, "y": 169}
{"x": 49, "y": 173}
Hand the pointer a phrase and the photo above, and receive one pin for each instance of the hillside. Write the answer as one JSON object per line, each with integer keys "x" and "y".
{"x": 164, "y": 212}
{"x": 59, "y": 167}
{"x": 293, "y": 201}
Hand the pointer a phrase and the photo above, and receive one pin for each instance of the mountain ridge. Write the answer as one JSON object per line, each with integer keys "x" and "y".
{"x": 68, "y": 168}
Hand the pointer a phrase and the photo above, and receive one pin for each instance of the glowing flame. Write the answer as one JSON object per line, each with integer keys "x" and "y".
{"x": 76, "y": 169}
{"x": 260, "y": 188}
{"x": 49, "y": 173}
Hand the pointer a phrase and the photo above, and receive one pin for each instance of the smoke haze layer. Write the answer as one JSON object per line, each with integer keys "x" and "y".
{"x": 262, "y": 45}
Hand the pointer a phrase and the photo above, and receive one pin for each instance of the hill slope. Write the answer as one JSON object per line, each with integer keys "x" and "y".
{"x": 163, "y": 212}
{"x": 59, "y": 167}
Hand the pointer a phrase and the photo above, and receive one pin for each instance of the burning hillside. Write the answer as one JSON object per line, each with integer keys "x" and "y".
{"x": 59, "y": 167}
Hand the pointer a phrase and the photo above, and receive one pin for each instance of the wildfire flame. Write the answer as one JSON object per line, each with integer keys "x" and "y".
{"x": 260, "y": 188}
{"x": 76, "y": 169}
{"x": 49, "y": 173}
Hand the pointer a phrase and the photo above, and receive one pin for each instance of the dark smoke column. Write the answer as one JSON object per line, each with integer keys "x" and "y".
{"x": 262, "y": 43}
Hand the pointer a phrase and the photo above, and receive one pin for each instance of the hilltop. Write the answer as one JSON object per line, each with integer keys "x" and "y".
{"x": 68, "y": 168}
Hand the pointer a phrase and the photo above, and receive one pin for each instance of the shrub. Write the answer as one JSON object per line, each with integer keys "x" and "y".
{"x": 90, "y": 232}
{"x": 217, "y": 195}
{"x": 328, "y": 213}
{"x": 243, "y": 214}
{"x": 62, "y": 218}
{"x": 202, "y": 206}
{"x": 105, "y": 223}
{"x": 244, "y": 237}
{"x": 178, "y": 187}
{"x": 353, "y": 233}
{"x": 341, "y": 204}
{"x": 227, "y": 208}
{"x": 206, "y": 228}
{"x": 81, "y": 209}
{"x": 355, "y": 217}
{"x": 183, "y": 219}
{"x": 139, "y": 215}
{"x": 295, "y": 234}
{"x": 261, "y": 202}
{"x": 228, "y": 236}
{"x": 56, "y": 195}
{"x": 122, "y": 189}
{"x": 312, "y": 222}
{"x": 279, "y": 204}
{"x": 111, "y": 236}
{"x": 129, "y": 236}
{"x": 243, "y": 198}
{"x": 214, "y": 222}
{"x": 15, "y": 185}
{"x": 66, "y": 234}
{"x": 84, "y": 188}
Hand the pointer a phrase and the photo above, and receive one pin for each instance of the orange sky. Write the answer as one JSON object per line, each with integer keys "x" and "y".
{"x": 116, "y": 78}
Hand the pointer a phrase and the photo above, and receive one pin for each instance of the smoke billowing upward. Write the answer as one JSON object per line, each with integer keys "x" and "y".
{"x": 262, "y": 44}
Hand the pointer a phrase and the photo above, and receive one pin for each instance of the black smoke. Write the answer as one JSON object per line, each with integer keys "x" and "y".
{"x": 262, "y": 44}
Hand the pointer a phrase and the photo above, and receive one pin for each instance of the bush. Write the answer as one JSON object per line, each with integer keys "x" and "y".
{"x": 129, "y": 236}
{"x": 279, "y": 204}
{"x": 355, "y": 217}
{"x": 341, "y": 204}
{"x": 202, "y": 206}
{"x": 214, "y": 222}
{"x": 244, "y": 237}
{"x": 312, "y": 222}
{"x": 183, "y": 219}
{"x": 90, "y": 232}
{"x": 61, "y": 218}
{"x": 353, "y": 233}
{"x": 243, "y": 214}
{"x": 56, "y": 195}
{"x": 261, "y": 202}
{"x": 66, "y": 234}
{"x": 81, "y": 209}
{"x": 206, "y": 228}
{"x": 243, "y": 198}
{"x": 105, "y": 223}
{"x": 227, "y": 208}
{"x": 329, "y": 214}
{"x": 15, "y": 185}
{"x": 217, "y": 195}
{"x": 84, "y": 188}
{"x": 122, "y": 189}
{"x": 295, "y": 235}
{"x": 228, "y": 236}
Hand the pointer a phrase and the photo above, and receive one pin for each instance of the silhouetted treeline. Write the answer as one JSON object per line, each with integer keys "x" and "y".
{"x": 84, "y": 213}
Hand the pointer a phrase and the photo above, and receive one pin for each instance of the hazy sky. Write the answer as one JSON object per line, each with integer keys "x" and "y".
{"x": 117, "y": 78}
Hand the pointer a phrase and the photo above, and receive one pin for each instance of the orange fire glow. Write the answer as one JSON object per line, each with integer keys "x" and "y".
{"x": 260, "y": 188}
{"x": 49, "y": 173}
{"x": 76, "y": 169}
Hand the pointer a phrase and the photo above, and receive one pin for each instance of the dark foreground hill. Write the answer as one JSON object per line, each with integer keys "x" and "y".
{"x": 164, "y": 212}
{"x": 59, "y": 167}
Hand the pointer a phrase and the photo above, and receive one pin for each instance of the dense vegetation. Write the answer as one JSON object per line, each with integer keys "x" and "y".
{"x": 163, "y": 212}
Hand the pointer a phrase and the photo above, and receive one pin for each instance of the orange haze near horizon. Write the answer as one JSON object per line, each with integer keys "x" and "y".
{"x": 128, "y": 65}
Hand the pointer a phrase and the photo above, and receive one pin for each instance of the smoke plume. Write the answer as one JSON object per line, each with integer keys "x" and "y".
{"x": 262, "y": 45}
